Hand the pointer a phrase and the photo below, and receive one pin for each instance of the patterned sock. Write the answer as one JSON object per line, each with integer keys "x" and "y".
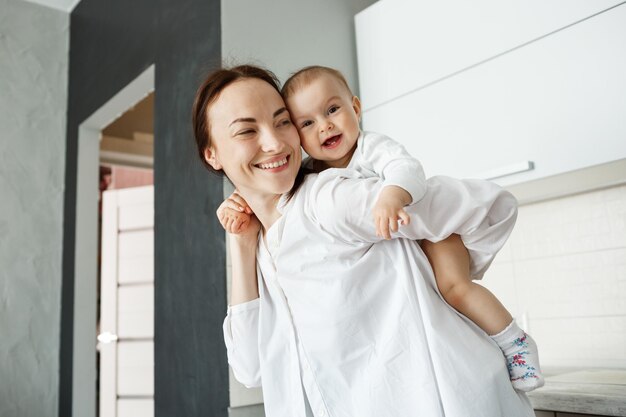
{"x": 522, "y": 357}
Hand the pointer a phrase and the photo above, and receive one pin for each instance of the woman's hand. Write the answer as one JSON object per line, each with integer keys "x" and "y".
{"x": 237, "y": 218}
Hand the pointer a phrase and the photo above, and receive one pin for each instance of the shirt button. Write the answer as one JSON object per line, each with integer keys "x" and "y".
{"x": 305, "y": 366}
{"x": 322, "y": 412}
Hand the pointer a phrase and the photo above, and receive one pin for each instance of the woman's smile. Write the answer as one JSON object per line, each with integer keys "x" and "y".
{"x": 276, "y": 164}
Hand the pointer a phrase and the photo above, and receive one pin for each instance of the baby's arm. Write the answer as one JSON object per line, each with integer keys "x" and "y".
{"x": 403, "y": 178}
{"x": 482, "y": 213}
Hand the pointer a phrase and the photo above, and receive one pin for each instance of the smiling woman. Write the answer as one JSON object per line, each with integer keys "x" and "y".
{"x": 340, "y": 321}
{"x": 252, "y": 133}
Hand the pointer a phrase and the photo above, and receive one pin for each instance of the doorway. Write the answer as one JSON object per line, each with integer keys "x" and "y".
{"x": 125, "y": 365}
{"x": 86, "y": 288}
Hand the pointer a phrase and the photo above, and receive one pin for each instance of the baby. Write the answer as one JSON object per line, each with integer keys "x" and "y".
{"x": 326, "y": 115}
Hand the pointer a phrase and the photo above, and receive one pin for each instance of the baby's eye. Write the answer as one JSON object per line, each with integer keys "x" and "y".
{"x": 307, "y": 123}
{"x": 333, "y": 109}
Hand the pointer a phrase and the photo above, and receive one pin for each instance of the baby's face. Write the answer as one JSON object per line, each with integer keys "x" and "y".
{"x": 327, "y": 118}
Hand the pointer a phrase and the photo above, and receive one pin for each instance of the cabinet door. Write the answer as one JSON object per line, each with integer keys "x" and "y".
{"x": 403, "y": 45}
{"x": 558, "y": 102}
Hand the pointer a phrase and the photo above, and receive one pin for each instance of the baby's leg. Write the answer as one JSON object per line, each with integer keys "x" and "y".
{"x": 451, "y": 266}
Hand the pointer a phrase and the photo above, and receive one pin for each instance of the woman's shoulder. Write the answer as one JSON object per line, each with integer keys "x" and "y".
{"x": 324, "y": 195}
{"x": 315, "y": 183}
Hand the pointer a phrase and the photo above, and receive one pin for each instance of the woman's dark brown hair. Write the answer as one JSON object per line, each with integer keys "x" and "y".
{"x": 210, "y": 90}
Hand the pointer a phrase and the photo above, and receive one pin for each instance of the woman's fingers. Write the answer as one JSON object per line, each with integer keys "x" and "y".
{"x": 227, "y": 223}
{"x": 241, "y": 204}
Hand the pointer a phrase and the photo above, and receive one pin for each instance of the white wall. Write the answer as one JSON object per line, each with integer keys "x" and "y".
{"x": 284, "y": 36}
{"x": 33, "y": 95}
{"x": 563, "y": 273}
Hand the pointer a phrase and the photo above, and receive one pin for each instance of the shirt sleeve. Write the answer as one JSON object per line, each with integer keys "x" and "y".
{"x": 481, "y": 212}
{"x": 391, "y": 162}
{"x": 241, "y": 337}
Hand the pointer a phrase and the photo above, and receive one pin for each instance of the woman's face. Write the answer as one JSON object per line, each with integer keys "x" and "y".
{"x": 253, "y": 139}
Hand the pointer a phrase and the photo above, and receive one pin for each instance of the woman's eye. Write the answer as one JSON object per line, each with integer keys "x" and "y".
{"x": 307, "y": 123}
{"x": 333, "y": 109}
{"x": 284, "y": 122}
{"x": 245, "y": 132}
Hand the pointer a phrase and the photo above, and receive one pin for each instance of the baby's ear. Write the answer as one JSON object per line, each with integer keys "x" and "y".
{"x": 356, "y": 105}
{"x": 209, "y": 156}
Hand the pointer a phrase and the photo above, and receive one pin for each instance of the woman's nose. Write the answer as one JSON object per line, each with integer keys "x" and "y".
{"x": 270, "y": 141}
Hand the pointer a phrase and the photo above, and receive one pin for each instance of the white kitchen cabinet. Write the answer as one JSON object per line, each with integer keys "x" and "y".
{"x": 559, "y": 102}
{"x": 403, "y": 45}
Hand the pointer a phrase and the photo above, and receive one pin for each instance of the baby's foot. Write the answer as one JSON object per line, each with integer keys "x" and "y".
{"x": 522, "y": 358}
{"x": 523, "y": 365}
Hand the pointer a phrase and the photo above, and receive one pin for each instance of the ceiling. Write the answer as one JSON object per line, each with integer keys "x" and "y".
{"x": 64, "y": 5}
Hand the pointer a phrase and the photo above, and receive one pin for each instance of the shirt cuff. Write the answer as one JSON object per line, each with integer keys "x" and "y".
{"x": 244, "y": 307}
{"x": 416, "y": 189}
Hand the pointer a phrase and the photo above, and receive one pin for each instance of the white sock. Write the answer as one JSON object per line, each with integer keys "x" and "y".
{"x": 522, "y": 357}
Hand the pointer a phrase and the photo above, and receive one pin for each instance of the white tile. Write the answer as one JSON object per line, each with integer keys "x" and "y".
{"x": 590, "y": 341}
{"x": 581, "y": 223}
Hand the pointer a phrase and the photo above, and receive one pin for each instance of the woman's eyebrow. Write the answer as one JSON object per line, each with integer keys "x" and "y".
{"x": 253, "y": 120}
{"x": 279, "y": 111}
{"x": 243, "y": 120}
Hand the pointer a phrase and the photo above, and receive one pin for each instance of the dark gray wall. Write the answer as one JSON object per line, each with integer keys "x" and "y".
{"x": 111, "y": 43}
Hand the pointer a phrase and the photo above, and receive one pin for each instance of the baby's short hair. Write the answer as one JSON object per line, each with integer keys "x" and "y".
{"x": 306, "y": 75}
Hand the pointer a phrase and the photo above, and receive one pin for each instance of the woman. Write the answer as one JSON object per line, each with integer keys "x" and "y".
{"x": 341, "y": 323}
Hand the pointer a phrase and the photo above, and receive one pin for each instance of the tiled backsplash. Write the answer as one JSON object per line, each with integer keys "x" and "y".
{"x": 563, "y": 275}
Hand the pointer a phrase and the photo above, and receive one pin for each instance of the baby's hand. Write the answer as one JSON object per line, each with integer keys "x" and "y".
{"x": 389, "y": 209}
{"x": 235, "y": 215}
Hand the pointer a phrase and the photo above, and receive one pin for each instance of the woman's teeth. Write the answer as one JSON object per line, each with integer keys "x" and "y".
{"x": 275, "y": 164}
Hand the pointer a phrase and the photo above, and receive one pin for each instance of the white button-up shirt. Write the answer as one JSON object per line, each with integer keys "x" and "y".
{"x": 355, "y": 324}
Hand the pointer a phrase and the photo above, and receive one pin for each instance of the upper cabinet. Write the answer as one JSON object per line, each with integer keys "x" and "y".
{"x": 514, "y": 91}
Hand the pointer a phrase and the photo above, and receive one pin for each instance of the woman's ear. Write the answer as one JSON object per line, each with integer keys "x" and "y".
{"x": 209, "y": 156}
{"x": 356, "y": 105}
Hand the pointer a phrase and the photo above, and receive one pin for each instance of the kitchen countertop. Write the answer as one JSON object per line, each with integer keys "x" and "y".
{"x": 587, "y": 391}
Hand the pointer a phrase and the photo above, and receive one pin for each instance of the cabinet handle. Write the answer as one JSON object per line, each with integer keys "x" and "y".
{"x": 507, "y": 170}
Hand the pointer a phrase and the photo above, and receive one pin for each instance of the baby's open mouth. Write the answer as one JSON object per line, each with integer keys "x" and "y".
{"x": 332, "y": 141}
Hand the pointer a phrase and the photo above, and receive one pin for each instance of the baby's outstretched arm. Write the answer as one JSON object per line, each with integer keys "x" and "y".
{"x": 389, "y": 209}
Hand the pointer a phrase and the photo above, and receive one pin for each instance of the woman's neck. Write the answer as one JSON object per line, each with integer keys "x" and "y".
{"x": 264, "y": 207}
